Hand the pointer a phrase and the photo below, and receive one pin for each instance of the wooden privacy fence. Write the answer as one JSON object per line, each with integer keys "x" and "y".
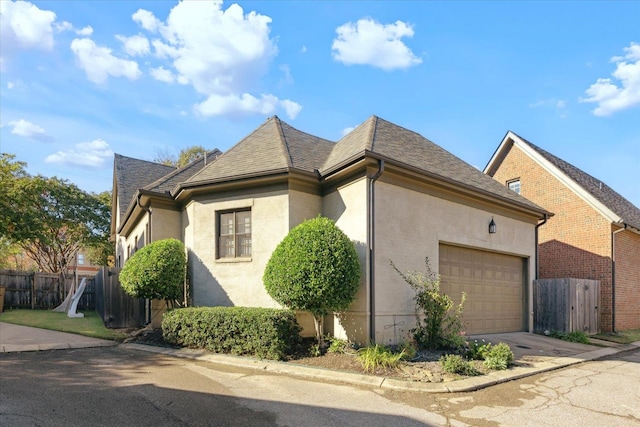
{"x": 26, "y": 289}
{"x": 115, "y": 307}
{"x": 566, "y": 305}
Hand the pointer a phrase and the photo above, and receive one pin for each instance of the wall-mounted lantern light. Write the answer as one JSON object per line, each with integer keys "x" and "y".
{"x": 492, "y": 226}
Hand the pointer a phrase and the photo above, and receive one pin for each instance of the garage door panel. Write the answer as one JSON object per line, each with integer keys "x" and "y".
{"x": 494, "y": 286}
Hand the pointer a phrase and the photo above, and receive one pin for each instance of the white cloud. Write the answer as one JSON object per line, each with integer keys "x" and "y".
{"x": 368, "y": 42}
{"x": 135, "y": 45}
{"x": 63, "y": 26}
{"x": 162, "y": 74}
{"x": 561, "y": 103}
{"x": 99, "y": 63}
{"x": 85, "y": 32}
{"x": 92, "y": 154}
{"x": 613, "y": 96}
{"x": 146, "y": 20}
{"x": 10, "y": 85}
{"x": 221, "y": 53}
{"x": 291, "y": 108}
{"x": 347, "y": 131}
{"x": 29, "y": 130}
{"x": 237, "y": 105}
{"x": 24, "y": 25}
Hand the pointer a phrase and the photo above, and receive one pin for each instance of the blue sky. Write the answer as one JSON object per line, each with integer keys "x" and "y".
{"x": 80, "y": 81}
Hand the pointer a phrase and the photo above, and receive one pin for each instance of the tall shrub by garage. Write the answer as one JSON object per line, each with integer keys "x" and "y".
{"x": 157, "y": 271}
{"x": 315, "y": 269}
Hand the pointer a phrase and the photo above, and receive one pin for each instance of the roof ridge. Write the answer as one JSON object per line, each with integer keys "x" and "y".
{"x": 373, "y": 131}
{"x": 284, "y": 140}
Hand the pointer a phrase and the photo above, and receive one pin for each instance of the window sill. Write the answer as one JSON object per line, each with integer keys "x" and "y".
{"x": 233, "y": 260}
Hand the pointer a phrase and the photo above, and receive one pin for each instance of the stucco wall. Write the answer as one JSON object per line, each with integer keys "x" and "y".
{"x": 576, "y": 241}
{"x": 233, "y": 282}
{"x": 165, "y": 224}
{"x": 410, "y": 225}
{"x": 347, "y": 206}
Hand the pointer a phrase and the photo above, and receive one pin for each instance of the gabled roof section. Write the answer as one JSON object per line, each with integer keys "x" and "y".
{"x": 274, "y": 146}
{"x": 379, "y": 137}
{"x": 178, "y": 176}
{"x": 595, "y": 192}
{"x": 132, "y": 174}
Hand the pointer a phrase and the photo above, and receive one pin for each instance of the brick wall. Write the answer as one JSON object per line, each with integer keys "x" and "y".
{"x": 576, "y": 241}
{"x": 627, "y": 264}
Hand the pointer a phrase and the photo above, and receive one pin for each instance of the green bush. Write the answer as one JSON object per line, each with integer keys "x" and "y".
{"x": 575, "y": 336}
{"x": 378, "y": 356}
{"x": 315, "y": 269}
{"x": 455, "y": 364}
{"x": 477, "y": 350}
{"x": 498, "y": 357}
{"x": 156, "y": 271}
{"x": 438, "y": 319}
{"x": 337, "y": 345}
{"x": 261, "y": 332}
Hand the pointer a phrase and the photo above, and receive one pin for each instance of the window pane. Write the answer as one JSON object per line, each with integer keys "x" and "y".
{"x": 244, "y": 222}
{"x": 514, "y": 186}
{"x": 227, "y": 248}
{"x": 226, "y": 224}
{"x": 244, "y": 245}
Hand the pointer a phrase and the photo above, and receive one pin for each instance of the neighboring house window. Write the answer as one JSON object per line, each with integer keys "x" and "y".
{"x": 80, "y": 259}
{"x": 234, "y": 234}
{"x": 514, "y": 185}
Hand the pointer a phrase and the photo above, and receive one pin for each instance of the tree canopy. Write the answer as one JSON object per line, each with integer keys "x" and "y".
{"x": 186, "y": 156}
{"x": 315, "y": 269}
{"x": 49, "y": 218}
{"x": 156, "y": 271}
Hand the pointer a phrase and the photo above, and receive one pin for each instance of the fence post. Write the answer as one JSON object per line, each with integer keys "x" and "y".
{"x": 33, "y": 291}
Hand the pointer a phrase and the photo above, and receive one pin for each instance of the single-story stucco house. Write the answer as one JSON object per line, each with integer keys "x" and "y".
{"x": 397, "y": 195}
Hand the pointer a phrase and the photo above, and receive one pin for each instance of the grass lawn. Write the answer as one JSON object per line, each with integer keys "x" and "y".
{"x": 620, "y": 337}
{"x": 90, "y": 325}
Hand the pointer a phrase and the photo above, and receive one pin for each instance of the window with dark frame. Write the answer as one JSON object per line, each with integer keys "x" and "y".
{"x": 514, "y": 185}
{"x": 234, "y": 234}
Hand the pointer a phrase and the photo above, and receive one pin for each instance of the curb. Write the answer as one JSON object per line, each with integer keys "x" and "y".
{"x": 328, "y": 375}
{"x": 18, "y": 348}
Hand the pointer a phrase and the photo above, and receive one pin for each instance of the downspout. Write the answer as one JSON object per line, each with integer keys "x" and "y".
{"x": 148, "y": 240}
{"x": 613, "y": 277}
{"x": 371, "y": 234}
{"x": 544, "y": 221}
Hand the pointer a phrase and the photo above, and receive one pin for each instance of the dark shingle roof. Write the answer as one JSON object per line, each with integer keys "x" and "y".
{"x": 133, "y": 174}
{"x": 394, "y": 142}
{"x": 273, "y": 146}
{"x": 606, "y": 195}
{"x": 178, "y": 176}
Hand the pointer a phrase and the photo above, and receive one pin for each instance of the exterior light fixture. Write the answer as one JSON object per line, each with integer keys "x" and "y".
{"x": 492, "y": 226}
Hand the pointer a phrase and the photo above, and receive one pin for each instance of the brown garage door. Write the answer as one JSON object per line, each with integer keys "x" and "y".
{"x": 494, "y": 284}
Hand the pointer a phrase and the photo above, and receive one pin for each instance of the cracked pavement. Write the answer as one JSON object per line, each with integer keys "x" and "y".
{"x": 119, "y": 386}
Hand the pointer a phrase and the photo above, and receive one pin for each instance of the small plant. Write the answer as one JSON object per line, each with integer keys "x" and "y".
{"x": 477, "y": 350}
{"x": 337, "y": 345}
{"x": 315, "y": 351}
{"x": 575, "y": 336}
{"x": 455, "y": 364}
{"x": 498, "y": 357}
{"x": 408, "y": 350}
{"x": 378, "y": 356}
{"x": 438, "y": 319}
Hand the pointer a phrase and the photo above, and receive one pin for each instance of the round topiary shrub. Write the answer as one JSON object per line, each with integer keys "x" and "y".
{"x": 157, "y": 271}
{"x": 315, "y": 269}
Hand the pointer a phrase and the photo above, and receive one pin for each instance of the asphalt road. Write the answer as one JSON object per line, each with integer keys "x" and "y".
{"x": 122, "y": 387}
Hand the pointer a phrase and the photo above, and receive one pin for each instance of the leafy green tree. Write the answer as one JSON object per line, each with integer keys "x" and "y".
{"x": 49, "y": 218}
{"x": 103, "y": 252}
{"x": 315, "y": 269}
{"x": 186, "y": 156}
{"x": 157, "y": 271}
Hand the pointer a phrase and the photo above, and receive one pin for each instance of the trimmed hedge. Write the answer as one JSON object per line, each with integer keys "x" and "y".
{"x": 266, "y": 333}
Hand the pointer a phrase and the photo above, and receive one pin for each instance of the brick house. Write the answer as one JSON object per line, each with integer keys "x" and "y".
{"x": 594, "y": 233}
{"x": 396, "y": 194}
